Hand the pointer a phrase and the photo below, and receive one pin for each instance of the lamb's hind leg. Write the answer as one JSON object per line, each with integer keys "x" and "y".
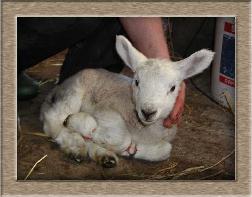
{"x": 74, "y": 145}
{"x": 84, "y": 124}
{"x": 102, "y": 156}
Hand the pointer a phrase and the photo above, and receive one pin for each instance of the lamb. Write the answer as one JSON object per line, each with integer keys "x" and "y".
{"x": 101, "y": 114}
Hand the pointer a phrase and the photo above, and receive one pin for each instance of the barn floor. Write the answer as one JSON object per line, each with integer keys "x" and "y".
{"x": 202, "y": 150}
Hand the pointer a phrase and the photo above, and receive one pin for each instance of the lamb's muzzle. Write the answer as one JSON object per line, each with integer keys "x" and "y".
{"x": 148, "y": 114}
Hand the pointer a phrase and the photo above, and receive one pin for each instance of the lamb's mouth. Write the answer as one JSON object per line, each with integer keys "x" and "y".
{"x": 143, "y": 121}
{"x": 147, "y": 122}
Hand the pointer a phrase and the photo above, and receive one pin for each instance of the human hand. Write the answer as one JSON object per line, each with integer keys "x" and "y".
{"x": 176, "y": 114}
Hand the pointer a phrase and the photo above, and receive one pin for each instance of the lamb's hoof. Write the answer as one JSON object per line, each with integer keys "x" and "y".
{"x": 76, "y": 158}
{"x": 79, "y": 159}
{"x": 108, "y": 162}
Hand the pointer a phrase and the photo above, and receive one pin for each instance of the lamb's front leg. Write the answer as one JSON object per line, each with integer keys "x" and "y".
{"x": 153, "y": 142}
{"x": 158, "y": 151}
{"x": 158, "y": 131}
{"x": 169, "y": 133}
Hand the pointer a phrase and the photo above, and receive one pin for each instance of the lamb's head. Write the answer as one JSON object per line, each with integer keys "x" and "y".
{"x": 156, "y": 82}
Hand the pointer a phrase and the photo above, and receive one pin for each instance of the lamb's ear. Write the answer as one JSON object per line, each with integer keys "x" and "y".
{"x": 130, "y": 55}
{"x": 195, "y": 63}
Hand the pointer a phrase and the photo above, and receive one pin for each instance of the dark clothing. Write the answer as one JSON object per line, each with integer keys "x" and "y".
{"x": 91, "y": 42}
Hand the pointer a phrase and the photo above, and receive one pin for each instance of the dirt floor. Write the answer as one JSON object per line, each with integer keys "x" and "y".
{"x": 202, "y": 150}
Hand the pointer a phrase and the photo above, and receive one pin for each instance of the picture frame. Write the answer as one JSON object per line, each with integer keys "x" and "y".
{"x": 10, "y": 186}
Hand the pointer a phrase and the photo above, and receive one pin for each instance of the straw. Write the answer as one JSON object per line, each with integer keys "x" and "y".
{"x": 34, "y": 167}
{"x": 36, "y": 134}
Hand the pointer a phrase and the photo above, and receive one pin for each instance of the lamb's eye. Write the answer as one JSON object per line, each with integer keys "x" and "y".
{"x": 172, "y": 89}
{"x": 136, "y": 82}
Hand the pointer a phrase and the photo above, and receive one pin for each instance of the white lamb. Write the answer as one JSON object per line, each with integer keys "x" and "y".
{"x": 101, "y": 114}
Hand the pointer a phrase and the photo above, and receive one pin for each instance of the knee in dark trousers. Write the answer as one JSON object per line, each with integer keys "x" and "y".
{"x": 91, "y": 42}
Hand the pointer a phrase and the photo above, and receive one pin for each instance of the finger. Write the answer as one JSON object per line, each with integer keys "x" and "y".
{"x": 175, "y": 118}
{"x": 179, "y": 121}
{"x": 178, "y": 108}
{"x": 179, "y": 104}
{"x": 180, "y": 112}
{"x": 167, "y": 123}
{"x": 178, "y": 117}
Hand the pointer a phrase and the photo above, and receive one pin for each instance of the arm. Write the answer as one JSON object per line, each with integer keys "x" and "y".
{"x": 147, "y": 35}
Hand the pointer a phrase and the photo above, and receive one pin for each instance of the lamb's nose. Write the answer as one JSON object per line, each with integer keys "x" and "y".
{"x": 147, "y": 114}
